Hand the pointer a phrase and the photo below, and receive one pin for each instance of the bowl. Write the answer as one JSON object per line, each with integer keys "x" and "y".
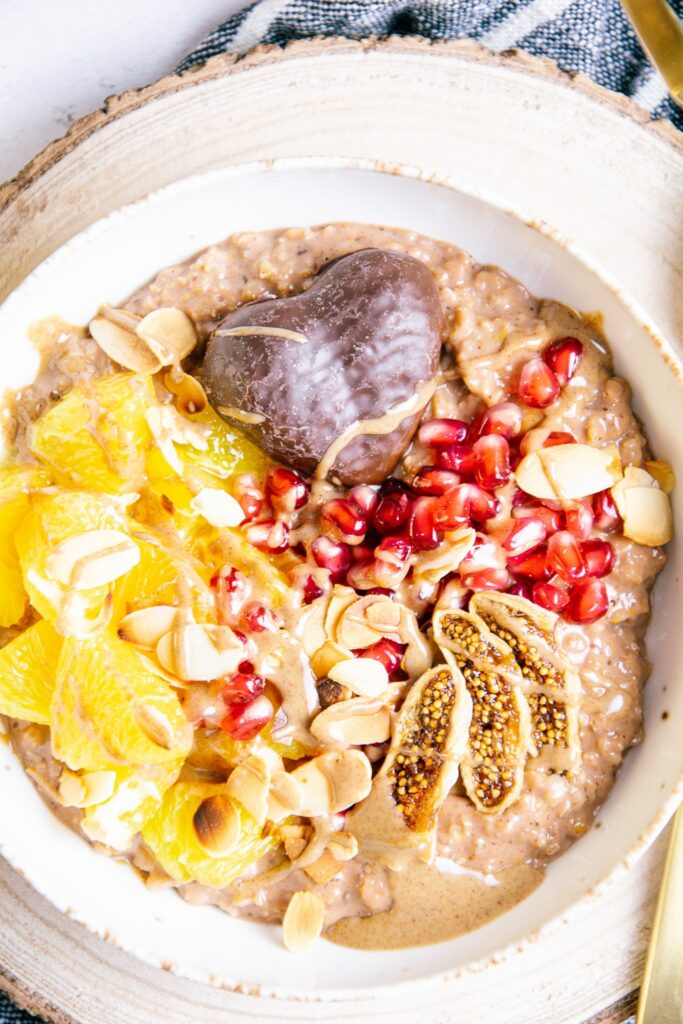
{"x": 118, "y": 250}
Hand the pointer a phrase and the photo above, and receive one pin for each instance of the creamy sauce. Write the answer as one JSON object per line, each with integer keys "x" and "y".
{"x": 382, "y": 425}
{"x": 241, "y": 415}
{"x": 433, "y": 907}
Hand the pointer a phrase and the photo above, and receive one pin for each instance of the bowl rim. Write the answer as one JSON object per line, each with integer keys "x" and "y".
{"x": 226, "y": 65}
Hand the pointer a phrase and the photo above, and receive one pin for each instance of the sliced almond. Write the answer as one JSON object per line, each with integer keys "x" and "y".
{"x": 316, "y": 795}
{"x": 198, "y": 653}
{"x": 663, "y": 473}
{"x": 310, "y": 626}
{"x": 354, "y": 632}
{"x": 156, "y": 726}
{"x": 633, "y": 476}
{"x": 123, "y": 347}
{"x": 384, "y": 615}
{"x": 190, "y": 395}
{"x": 353, "y": 723}
{"x": 168, "y": 333}
{"x": 343, "y": 845}
{"x": 285, "y": 796}
{"x": 432, "y": 566}
{"x": 569, "y": 471}
{"x": 218, "y": 507}
{"x": 647, "y": 516}
{"x": 350, "y": 777}
{"x": 323, "y": 870}
{"x": 86, "y": 789}
{"x": 249, "y": 785}
{"x": 216, "y": 825}
{"x": 327, "y": 656}
{"x": 419, "y": 654}
{"x": 303, "y": 921}
{"x": 364, "y": 676}
{"x": 145, "y": 627}
{"x": 92, "y": 559}
{"x": 341, "y": 598}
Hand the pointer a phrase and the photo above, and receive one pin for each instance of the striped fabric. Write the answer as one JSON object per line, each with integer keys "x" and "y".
{"x": 592, "y": 36}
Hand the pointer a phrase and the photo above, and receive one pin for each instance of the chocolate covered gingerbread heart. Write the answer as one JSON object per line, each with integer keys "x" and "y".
{"x": 296, "y": 374}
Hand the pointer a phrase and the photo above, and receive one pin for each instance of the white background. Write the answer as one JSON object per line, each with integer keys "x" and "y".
{"x": 60, "y": 59}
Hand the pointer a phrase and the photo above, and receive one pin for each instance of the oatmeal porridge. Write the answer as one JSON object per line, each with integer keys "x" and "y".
{"x": 327, "y": 563}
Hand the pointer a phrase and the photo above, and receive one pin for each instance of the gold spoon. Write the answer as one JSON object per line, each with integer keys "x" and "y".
{"x": 661, "y": 992}
{"x": 661, "y": 35}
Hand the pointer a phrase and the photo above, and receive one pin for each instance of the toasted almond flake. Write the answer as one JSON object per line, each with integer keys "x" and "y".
{"x": 341, "y": 598}
{"x": 146, "y": 626}
{"x": 315, "y": 789}
{"x": 323, "y": 869}
{"x": 123, "y": 347}
{"x": 199, "y": 653}
{"x": 285, "y": 796}
{"x": 265, "y": 331}
{"x": 241, "y": 415}
{"x": 155, "y": 725}
{"x": 216, "y": 825}
{"x": 343, "y": 845}
{"x": 190, "y": 395}
{"x": 432, "y": 566}
{"x": 218, "y": 507}
{"x": 347, "y": 778}
{"x": 295, "y": 839}
{"x": 384, "y": 615}
{"x": 168, "y": 333}
{"x": 86, "y": 789}
{"x": 327, "y": 656}
{"x": 647, "y": 516}
{"x": 303, "y": 921}
{"x": 92, "y": 559}
{"x": 568, "y": 471}
{"x": 364, "y": 676}
{"x": 249, "y": 785}
{"x": 419, "y": 654}
{"x": 633, "y": 476}
{"x": 352, "y": 723}
{"x": 663, "y": 473}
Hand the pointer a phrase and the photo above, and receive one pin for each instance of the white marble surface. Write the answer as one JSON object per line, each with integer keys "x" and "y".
{"x": 60, "y": 59}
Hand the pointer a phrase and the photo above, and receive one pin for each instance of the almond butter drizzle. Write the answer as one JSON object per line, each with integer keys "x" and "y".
{"x": 264, "y": 332}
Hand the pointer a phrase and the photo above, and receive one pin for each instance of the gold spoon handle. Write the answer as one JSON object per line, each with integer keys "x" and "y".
{"x": 661, "y": 34}
{"x": 661, "y": 993}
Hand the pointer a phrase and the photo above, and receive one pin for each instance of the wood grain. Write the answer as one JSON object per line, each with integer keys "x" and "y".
{"x": 456, "y": 110}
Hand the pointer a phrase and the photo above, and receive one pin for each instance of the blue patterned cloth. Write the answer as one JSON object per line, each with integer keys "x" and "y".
{"x": 592, "y": 36}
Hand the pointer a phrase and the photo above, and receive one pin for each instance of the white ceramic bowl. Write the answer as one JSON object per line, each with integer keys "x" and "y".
{"x": 109, "y": 260}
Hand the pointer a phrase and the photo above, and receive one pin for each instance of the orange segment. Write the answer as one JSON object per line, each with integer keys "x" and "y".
{"x": 28, "y": 665}
{"x": 15, "y": 484}
{"x": 137, "y": 795}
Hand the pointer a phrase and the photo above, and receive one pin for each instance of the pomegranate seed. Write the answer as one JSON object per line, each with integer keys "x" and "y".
{"x": 332, "y": 555}
{"x": 556, "y": 437}
{"x": 550, "y": 596}
{"x": 311, "y": 590}
{"x": 552, "y": 518}
{"x": 588, "y": 601}
{"x": 564, "y": 556}
{"x": 249, "y": 495}
{"x": 343, "y": 520}
{"x": 504, "y": 419}
{"x": 365, "y": 498}
{"x": 362, "y": 551}
{"x": 533, "y": 565}
{"x": 269, "y": 536}
{"x": 538, "y": 386}
{"x": 258, "y": 619}
{"x": 243, "y": 687}
{"x": 486, "y": 579}
{"x": 244, "y": 721}
{"x": 598, "y": 556}
{"x": 525, "y": 535}
{"x": 563, "y": 357}
{"x": 521, "y": 588}
{"x": 395, "y": 551}
{"x": 458, "y": 457}
{"x": 242, "y": 637}
{"x": 607, "y": 518}
{"x": 392, "y": 485}
{"x": 580, "y": 520}
{"x": 442, "y": 433}
{"x": 491, "y": 461}
{"x": 286, "y": 490}
{"x": 245, "y": 666}
{"x": 382, "y": 591}
{"x": 392, "y": 512}
{"x": 387, "y": 652}
{"x": 465, "y": 502}
{"x": 435, "y": 481}
{"x": 421, "y": 526}
{"x": 231, "y": 590}
{"x": 361, "y": 575}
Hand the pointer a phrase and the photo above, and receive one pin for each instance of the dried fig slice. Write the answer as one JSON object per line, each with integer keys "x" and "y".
{"x": 552, "y": 689}
{"x": 500, "y": 731}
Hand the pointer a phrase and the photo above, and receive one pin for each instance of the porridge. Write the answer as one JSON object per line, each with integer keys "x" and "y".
{"x": 327, "y": 562}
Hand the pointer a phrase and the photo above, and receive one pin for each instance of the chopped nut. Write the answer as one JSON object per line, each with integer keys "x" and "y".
{"x": 92, "y": 558}
{"x": 303, "y": 921}
{"x": 330, "y": 693}
{"x": 353, "y": 723}
{"x": 295, "y": 839}
{"x": 648, "y": 518}
{"x": 323, "y": 870}
{"x": 216, "y": 825}
{"x": 145, "y": 627}
{"x": 218, "y": 507}
{"x": 364, "y": 676}
{"x": 663, "y": 473}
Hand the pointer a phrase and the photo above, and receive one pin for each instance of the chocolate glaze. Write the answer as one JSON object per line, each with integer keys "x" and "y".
{"x": 374, "y": 324}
